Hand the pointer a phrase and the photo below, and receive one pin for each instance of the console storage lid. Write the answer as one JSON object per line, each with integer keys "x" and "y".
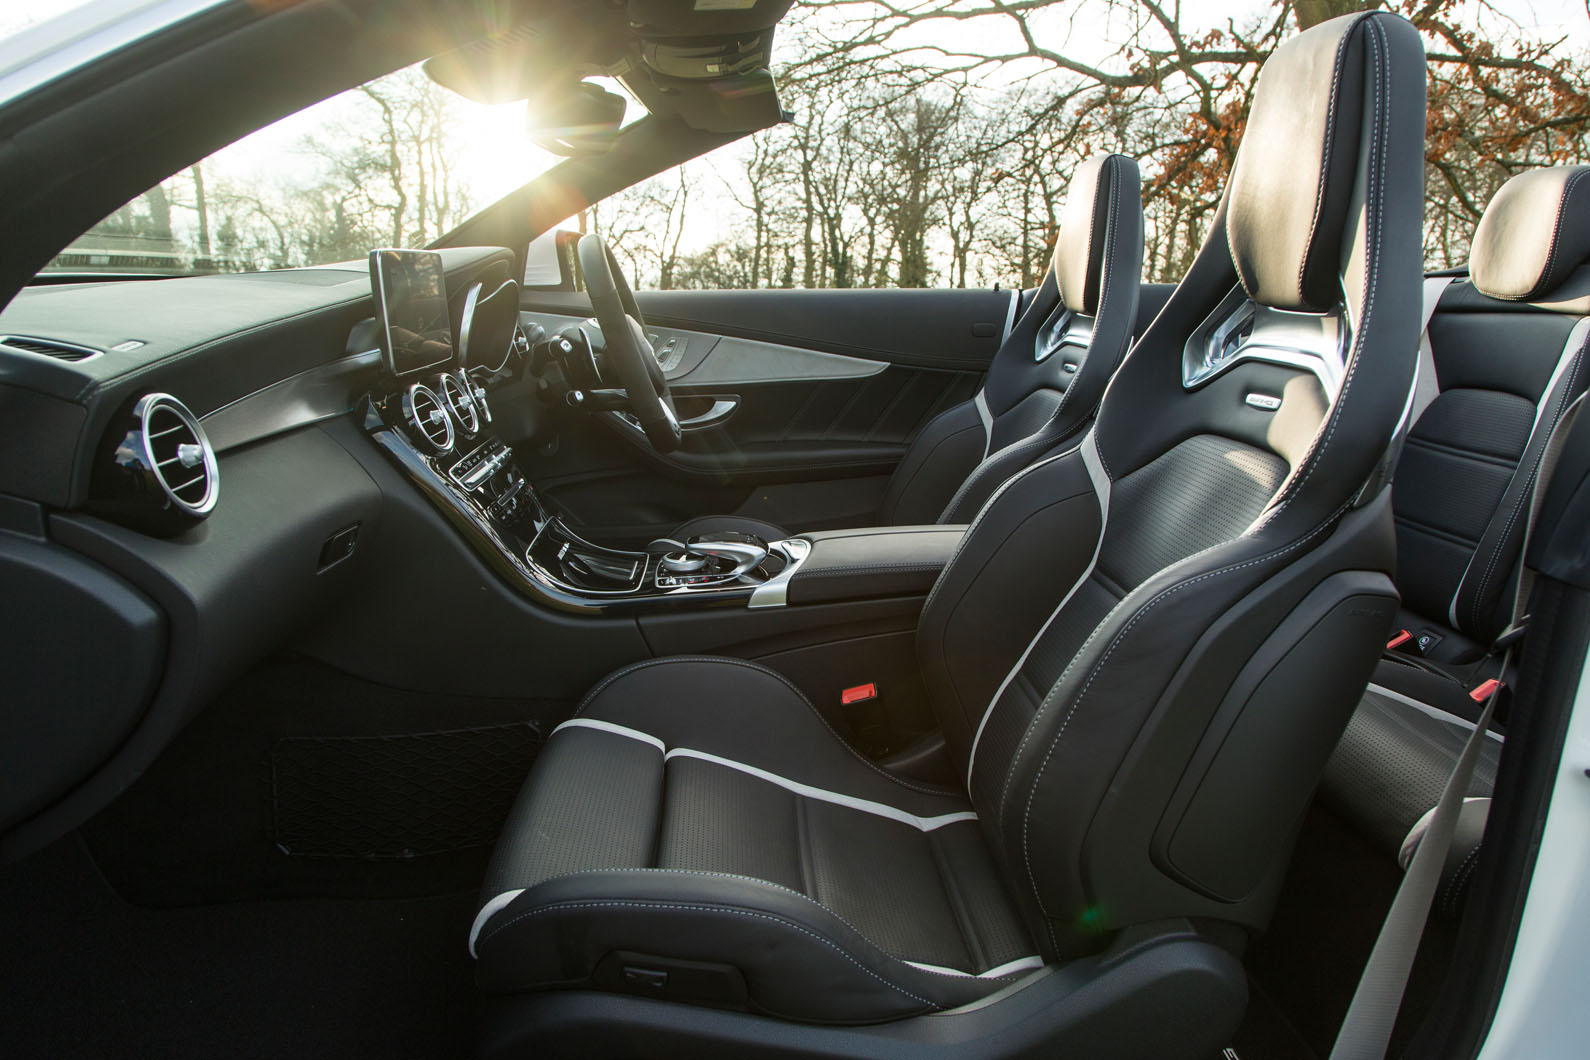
{"x": 873, "y": 562}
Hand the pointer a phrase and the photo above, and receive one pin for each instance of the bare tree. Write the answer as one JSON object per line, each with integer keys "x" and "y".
{"x": 1176, "y": 95}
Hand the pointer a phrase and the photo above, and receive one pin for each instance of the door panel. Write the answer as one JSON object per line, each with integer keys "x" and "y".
{"x": 957, "y": 329}
{"x": 827, "y": 390}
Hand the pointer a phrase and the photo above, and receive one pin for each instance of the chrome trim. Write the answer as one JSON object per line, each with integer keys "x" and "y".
{"x": 411, "y": 414}
{"x": 497, "y": 550}
{"x": 521, "y": 343}
{"x": 479, "y": 393}
{"x": 462, "y": 406}
{"x": 475, "y": 476}
{"x": 504, "y": 549}
{"x": 297, "y": 401}
{"x": 471, "y": 297}
{"x": 775, "y": 591}
{"x": 744, "y": 556}
{"x": 147, "y": 406}
{"x": 638, "y": 575}
{"x": 721, "y": 409}
{"x": 1314, "y": 342}
{"x": 1063, "y": 328}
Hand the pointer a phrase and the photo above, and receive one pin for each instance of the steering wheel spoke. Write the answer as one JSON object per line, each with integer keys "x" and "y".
{"x": 624, "y": 333}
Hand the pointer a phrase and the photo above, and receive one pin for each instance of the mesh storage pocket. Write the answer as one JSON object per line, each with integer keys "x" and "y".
{"x": 399, "y": 796}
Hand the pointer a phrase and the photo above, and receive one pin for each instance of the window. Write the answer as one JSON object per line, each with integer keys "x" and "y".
{"x": 395, "y": 162}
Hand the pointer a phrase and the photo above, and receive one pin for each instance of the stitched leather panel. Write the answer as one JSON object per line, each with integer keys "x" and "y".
{"x": 1532, "y": 234}
{"x": 593, "y": 805}
{"x": 1203, "y": 491}
{"x": 742, "y": 870}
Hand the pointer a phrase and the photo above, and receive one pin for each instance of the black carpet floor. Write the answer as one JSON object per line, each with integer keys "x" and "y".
{"x": 85, "y": 974}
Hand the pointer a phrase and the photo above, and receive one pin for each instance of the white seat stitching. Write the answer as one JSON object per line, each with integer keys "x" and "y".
{"x": 697, "y": 908}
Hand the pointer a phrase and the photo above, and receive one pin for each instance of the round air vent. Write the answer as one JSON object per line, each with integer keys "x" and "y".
{"x": 460, "y": 400}
{"x": 426, "y": 414}
{"x": 179, "y": 453}
{"x": 162, "y": 476}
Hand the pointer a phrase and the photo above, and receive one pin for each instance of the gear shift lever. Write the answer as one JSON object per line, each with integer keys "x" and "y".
{"x": 708, "y": 561}
{"x": 742, "y": 554}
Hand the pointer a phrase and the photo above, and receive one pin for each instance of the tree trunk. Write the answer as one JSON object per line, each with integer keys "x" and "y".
{"x": 1312, "y": 12}
{"x": 203, "y": 212}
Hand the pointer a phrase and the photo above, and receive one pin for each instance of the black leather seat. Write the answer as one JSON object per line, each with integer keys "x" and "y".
{"x": 1506, "y": 357}
{"x": 1046, "y": 379}
{"x": 1141, "y": 658}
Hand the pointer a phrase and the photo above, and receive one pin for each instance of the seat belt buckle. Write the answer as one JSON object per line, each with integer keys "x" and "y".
{"x": 1402, "y": 637}
{"x": 869, "y": 722}
{"x": 1485, "y": 689}
{"x": 858, "y": 694}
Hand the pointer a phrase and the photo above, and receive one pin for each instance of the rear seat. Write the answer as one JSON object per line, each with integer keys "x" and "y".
{"x": 1508, "y": 352}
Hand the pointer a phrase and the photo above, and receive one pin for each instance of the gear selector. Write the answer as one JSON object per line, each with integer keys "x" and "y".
{"x": 711, "y": 560}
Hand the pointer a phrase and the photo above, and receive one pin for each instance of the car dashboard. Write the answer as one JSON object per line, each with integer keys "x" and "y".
{"x": 200, "y": 469}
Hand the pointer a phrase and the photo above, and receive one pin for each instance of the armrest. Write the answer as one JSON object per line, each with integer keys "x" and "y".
{"x": 873, "y": 562}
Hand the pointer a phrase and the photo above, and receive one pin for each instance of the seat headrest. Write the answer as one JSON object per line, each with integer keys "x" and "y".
{"x": 1080, "y": 246}
{"x": 1293, "y": 184}
{"x": 1535, "y": 232}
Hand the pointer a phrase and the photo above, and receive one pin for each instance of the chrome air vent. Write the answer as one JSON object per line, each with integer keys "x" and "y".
{"x": 179, "y": 454}
{"x": 162, "y": 475}
{"x": 425, "y": 413}
{"x": 61, "y": 351}
{"x": 460, "y": 401}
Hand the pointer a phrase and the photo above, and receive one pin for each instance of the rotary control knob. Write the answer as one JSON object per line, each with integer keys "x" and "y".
{"x": 684, "y": 562}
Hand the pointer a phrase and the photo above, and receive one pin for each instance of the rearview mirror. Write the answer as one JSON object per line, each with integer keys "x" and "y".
{"x": 579, "y": 119}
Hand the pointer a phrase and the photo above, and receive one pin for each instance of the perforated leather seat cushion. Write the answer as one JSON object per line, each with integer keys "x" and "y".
{"x": 702, "y": 808}
{"x": 1392, "y": 762}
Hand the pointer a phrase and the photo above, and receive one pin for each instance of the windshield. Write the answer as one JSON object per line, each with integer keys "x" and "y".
{"x": 395, "y": 162}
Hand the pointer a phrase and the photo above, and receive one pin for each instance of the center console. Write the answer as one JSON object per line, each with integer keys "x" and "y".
{"x": 434, "y": 419}
{"x": 438, "y": 431}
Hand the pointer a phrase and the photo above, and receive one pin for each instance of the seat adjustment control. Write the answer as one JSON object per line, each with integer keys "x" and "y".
{"x": 645, "y": 978}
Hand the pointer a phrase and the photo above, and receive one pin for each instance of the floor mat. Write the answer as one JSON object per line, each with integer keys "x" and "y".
{"x": 83, "y": 973}
{"x": 1266, "y": 1033}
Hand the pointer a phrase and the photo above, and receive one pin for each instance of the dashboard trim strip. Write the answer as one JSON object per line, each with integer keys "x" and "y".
{"x": 297, "y": 401}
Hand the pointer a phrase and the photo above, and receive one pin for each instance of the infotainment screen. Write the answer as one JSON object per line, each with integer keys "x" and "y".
{"x": 411, "y": 309}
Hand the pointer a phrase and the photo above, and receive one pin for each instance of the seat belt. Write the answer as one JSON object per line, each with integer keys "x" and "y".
{"x": 1366, "y": 1029}
{"x": 1425, "y": 387}
{"x": 1424, "y": 391}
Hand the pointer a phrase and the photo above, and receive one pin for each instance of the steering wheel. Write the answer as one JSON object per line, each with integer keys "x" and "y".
{"x": 624, "y": 330}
